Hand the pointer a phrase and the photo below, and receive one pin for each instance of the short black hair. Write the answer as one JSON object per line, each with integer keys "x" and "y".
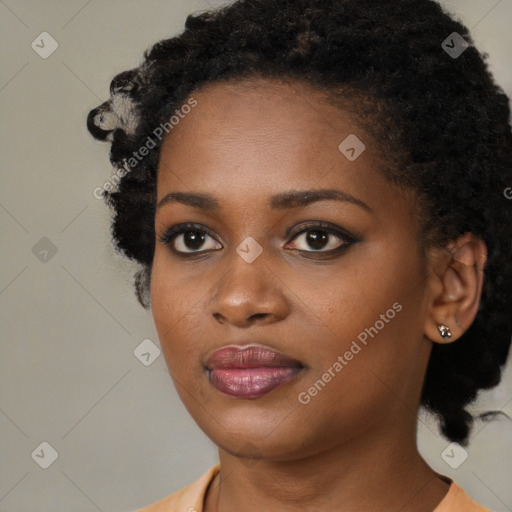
{"x": 440, "y": 121}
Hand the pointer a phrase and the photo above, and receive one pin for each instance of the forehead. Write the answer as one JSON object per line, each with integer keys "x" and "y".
{"x": 262, "y": 108}
{"x": 254, "y": 130}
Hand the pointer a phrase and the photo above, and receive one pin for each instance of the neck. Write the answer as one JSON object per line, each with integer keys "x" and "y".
{"x": 384, "y": 472}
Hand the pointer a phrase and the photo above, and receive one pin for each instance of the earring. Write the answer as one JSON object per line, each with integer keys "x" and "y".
{"x": 444, "y": 331}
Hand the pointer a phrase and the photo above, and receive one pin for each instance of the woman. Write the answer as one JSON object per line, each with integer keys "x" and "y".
{"x": 314, "y": 191}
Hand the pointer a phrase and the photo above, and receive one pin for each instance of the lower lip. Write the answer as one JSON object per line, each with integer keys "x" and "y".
{"x": 250, "y": 382}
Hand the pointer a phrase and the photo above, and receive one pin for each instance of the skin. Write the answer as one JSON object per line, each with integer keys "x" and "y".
{"x": 355, "y": 441}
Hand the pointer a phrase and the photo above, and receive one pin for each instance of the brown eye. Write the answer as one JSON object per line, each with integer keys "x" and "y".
{"x": 318, "y": 240}
{"x": 190, "y": 238}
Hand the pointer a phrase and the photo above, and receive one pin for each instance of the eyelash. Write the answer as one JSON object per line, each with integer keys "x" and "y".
{"x": 347, "y": 238}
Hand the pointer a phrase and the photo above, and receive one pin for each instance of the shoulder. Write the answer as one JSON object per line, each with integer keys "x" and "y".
{"x": 188, "y": 499}
{"x": 456, "y": 500}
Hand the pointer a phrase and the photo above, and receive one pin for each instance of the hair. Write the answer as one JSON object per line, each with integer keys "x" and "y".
{"x": 441, "y": 123}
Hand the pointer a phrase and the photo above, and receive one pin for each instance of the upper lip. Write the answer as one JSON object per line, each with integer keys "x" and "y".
{"x": 250, "y": 356}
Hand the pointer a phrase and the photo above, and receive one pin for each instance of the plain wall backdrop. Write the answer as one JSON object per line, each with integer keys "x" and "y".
{"x": 70, "y": 321}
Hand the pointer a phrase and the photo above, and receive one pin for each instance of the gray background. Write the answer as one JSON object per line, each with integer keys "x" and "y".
{"x": 70, "y": 324}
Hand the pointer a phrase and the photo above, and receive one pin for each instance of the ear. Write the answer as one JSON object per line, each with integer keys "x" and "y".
{"x": 455, "y": 287}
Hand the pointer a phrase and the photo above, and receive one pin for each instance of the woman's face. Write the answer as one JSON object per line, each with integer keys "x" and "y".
{"x": 325, "y": 323}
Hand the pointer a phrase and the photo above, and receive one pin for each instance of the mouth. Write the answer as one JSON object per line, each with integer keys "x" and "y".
{"x": 250, "y": 372}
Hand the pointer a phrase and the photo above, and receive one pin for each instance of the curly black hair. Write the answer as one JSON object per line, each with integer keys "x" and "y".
{"x": 439, "y": 119}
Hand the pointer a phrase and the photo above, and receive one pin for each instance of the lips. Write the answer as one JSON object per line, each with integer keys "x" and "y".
{"x": 250, "y": 372}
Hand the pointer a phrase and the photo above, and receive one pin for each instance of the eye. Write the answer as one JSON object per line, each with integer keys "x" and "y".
{"x": 190, "y": 238}
{"x": 322, "y": 237}
{"x": 319, "y": 237}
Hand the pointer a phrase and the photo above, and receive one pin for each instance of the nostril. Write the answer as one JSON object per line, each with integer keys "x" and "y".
{"x": 258, "y": 315}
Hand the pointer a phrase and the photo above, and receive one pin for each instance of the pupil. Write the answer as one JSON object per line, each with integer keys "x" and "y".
{"x": 317, "y": 239}
{"x": 193, "y": 240}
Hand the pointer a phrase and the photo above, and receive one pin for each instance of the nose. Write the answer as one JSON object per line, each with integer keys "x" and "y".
{"x": 249, "y": 293}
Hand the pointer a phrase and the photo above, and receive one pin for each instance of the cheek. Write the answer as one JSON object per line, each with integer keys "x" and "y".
{"x": 378, "y": 327}
{"x": 346, "y": 301}
{"x": 175, "y": 307}
{"x": 166, "y": 302}
{"x": 375, "y": 302}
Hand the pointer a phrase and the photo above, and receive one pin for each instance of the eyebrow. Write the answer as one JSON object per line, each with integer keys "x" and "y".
{"x": 282, "y": 201}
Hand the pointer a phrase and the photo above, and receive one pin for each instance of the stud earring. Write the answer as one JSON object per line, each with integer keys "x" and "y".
{"x": 444, "y": 331}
